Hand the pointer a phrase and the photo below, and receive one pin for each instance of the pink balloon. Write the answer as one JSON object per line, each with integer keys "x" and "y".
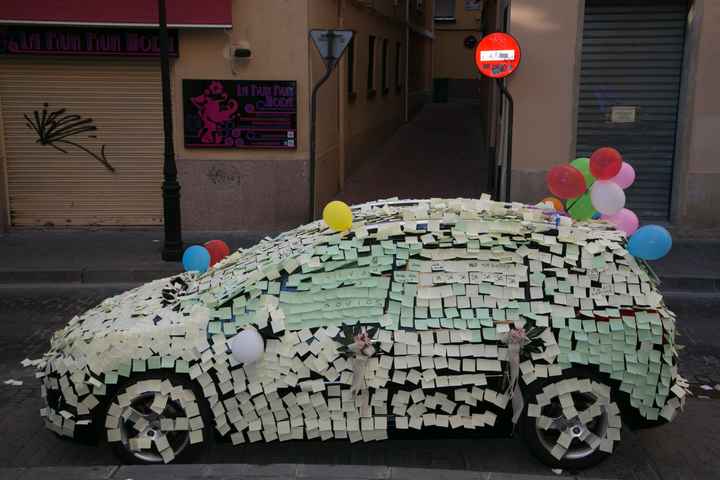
{"x": 625, "y": 177}
{"x": 624, "y": 220}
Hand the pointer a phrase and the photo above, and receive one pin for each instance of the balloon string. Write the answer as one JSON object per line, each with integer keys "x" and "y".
{"x": 568, "y": 207}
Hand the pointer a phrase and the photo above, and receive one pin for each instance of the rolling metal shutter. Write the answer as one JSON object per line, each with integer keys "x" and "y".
{"x": 632, "y": 54}
{"x": 47, "y": 187}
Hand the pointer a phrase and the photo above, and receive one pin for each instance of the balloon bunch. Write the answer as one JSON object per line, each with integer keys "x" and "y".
{"x": 594, "y": 188}
{"x": 201, "y": 257}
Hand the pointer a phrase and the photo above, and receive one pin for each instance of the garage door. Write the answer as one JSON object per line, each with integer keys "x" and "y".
{"x": 52, "y": 188}
{"x": 632, "y": 55}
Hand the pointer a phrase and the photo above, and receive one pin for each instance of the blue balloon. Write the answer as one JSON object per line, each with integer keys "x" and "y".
{"x": 650, "y": 242}
{"x": 596, "y": 215}
{"x": 196, "y": 258}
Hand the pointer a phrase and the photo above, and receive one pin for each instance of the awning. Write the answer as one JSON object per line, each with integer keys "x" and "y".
{"x": 125, "y": 13}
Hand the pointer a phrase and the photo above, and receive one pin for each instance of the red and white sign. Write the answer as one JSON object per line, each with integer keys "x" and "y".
{"x": 497, "y": 55}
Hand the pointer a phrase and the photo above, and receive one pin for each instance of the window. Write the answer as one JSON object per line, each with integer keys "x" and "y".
{"x": 350, "y": 54}
{"x": 398, "y": 82}
{"x": 384, "y": 80}
{"x": 371, "y": 66}
{"x": 444, "y": 11}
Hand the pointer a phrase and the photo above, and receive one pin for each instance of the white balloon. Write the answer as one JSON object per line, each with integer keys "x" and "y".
{"x": 607, "y": 197}
{"x": 247, "y": 346}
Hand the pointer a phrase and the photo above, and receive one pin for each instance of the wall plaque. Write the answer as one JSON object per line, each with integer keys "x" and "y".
{"x": 240, "y": 114}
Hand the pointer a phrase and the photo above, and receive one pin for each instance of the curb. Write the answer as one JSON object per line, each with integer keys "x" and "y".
{"x": 689, "y": 284}
{"x": 269, "y": 472}
{"x": 84, "y": 276}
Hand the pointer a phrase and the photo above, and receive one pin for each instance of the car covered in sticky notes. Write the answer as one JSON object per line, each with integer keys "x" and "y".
{"x": 425, "y": 314}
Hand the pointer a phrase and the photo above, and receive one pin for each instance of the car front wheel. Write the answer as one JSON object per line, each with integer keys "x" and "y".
{"x": 571, "y": 423}
{"x": 155, "y": 419}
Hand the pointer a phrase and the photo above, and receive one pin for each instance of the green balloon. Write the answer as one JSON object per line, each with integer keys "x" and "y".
{"x": 583, "y": 164}
{"x": 581, "y": 208}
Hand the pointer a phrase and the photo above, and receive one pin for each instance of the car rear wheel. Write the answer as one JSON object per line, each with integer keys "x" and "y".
{"x": 571, "y": 423}
{"x": 155, "y": 419}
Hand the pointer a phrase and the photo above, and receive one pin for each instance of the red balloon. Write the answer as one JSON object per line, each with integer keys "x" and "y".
{"x": 566, "y": 181}
{"x": 605, "y": 163}
{"x": 218, "y": 250}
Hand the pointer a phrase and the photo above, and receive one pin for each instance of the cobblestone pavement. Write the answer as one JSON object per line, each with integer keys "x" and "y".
{"x": 688, "y": 448}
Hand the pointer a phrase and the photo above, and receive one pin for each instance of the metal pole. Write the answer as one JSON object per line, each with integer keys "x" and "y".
{"x": 508, "y": 160}
{"x": 313, "y": 117}
{"x": 329, "y": 65}
{"x": 172, "y": 248}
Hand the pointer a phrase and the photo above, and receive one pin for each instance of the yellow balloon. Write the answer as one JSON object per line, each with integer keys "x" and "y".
{"x": 337, "y": 215}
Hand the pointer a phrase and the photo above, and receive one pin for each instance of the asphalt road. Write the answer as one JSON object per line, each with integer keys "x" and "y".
{"x": 686, "y": 449}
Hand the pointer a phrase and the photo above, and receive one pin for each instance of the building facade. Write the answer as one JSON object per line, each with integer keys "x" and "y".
{"x": 242, "y": 72}
{"x": 637, "y": 75}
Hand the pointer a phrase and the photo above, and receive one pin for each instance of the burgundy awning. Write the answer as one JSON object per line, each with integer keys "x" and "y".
{"x": 129, "y": 13}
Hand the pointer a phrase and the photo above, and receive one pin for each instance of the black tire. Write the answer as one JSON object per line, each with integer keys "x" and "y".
{"x": 141, "y": 396}
{"x": 583, "y": 451}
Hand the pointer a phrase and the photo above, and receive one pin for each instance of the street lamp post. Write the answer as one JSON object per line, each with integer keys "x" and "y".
{"x": 172, "y": 247}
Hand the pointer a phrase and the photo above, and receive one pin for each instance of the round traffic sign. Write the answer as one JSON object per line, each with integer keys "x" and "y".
{"x": 497, "y": 55}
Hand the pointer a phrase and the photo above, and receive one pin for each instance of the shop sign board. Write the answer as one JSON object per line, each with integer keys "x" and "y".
{"x": 240, "y": 114}
{"x": 71, "y": 41}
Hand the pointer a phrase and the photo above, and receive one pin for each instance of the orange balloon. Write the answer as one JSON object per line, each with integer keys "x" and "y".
{"x": 556, "y": 203}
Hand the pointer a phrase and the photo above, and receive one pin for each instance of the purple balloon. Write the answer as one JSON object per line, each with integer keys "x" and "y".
{"x": 625, "y": 177}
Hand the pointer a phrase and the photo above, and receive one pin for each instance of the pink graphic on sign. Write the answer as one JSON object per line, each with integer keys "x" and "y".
{"x": 214, "y": 109}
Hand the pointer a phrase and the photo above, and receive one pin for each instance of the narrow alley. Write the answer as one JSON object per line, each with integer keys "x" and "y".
{"x": 440, "y": 153}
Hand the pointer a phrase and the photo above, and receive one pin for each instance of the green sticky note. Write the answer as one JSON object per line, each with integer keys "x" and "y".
{"x": 589, "y": 325}
{"x": 575, "y": 325}
{"x": 487, "y": 322}
{"x": 124, "y": 369}
{"x": 138, "y": 365}
{"x": 489, "y": 333}
{"x": 577, "y": 357}
{"x": 214, "y": 327}
{"x": 154, "y": 363}
{"x": 168, "y": 362}
{"x": 460, "y": 323}
{"x": 111, "y": 378}
{"x": 446, "y": 322}
{"x": 558, "y": 322}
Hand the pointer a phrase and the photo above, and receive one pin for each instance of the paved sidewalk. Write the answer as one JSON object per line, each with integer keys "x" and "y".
{"x": 269, "y": 472}
{"x": 103, "y": 256}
